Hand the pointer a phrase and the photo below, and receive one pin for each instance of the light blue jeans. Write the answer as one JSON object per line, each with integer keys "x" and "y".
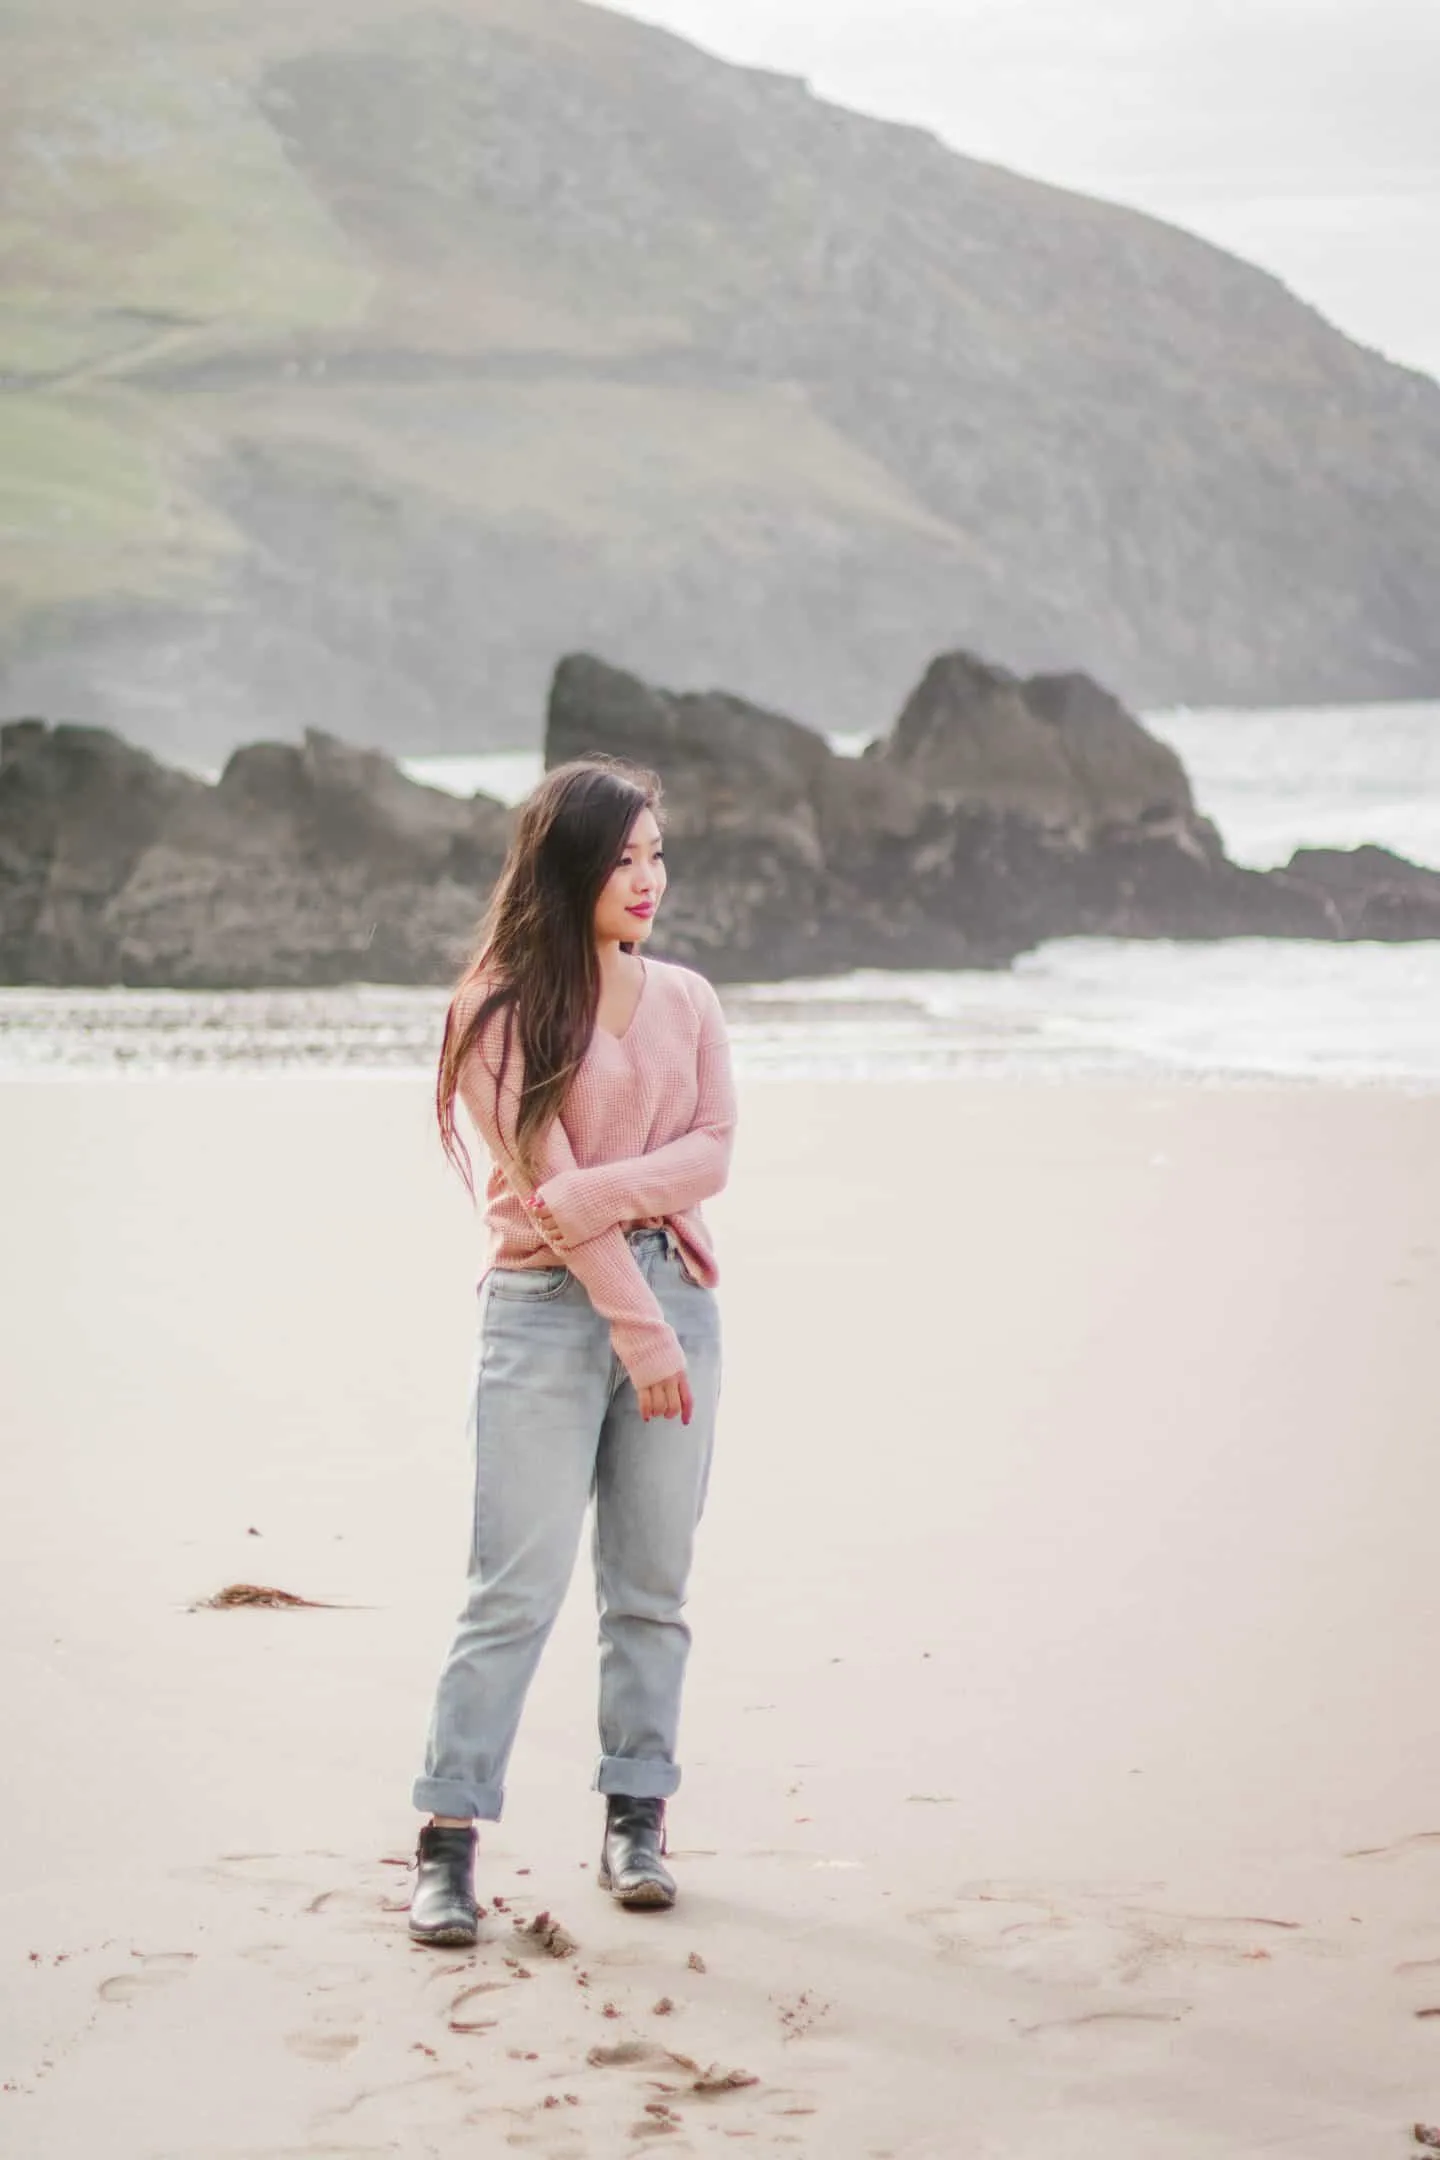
{"x": 554, "y": 1421}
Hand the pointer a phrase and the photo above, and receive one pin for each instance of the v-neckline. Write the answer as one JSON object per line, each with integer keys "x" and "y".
{"x": 635, "y": 1010}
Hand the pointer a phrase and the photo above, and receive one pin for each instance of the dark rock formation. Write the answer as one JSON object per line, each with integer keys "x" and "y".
{"x": 79, "y": 809}
{"x": 790, "y": 859}
{"x": 1056, "y": 750}
{"x": 1370, "y": 892}
{"x": 999, "y": 813}
{"x": 305, "y": 864}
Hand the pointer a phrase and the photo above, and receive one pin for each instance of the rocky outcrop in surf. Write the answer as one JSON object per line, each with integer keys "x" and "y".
{"x": 1000, "y": 811}
{"x": 304, "y": 864}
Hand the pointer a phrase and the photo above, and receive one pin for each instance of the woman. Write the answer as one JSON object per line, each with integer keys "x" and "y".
{"x": 600, "y": 1083}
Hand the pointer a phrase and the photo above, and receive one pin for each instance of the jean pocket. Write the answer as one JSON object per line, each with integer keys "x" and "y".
{"x": 680, "y": 1269}
{"x": 528, "y": 1285}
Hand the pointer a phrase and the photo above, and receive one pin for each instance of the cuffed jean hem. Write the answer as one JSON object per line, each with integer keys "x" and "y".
{"x": 638, "y": 1779}
{"x": 451, "y": 1796}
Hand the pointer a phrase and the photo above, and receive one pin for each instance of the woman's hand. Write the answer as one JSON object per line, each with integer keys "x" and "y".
{"x": 667, "y": 1398}
{"x": 550, "y": 1229}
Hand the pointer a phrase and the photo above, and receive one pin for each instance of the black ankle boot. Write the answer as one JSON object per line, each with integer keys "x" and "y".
{"x": 630, "y": 1864}
{"x": 442, "y": 1905}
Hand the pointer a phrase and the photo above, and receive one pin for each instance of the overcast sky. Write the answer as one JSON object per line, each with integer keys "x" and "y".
{"x": 1302, "y": 134}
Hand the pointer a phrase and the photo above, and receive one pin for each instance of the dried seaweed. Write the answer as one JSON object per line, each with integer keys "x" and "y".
{"x": 238, "y": 1594}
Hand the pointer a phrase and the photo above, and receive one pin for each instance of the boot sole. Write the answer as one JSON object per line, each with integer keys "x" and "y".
{"x": 647, "y": 1896}
{"x": 446, "y": 1938}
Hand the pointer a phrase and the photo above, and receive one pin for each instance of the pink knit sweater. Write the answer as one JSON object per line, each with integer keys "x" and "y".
{"x": 644, "y": 1137}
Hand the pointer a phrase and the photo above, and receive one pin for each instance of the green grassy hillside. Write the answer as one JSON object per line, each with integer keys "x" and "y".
{"x": 358, "y": 358}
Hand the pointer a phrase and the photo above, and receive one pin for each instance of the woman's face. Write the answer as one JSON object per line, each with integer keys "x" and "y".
{"x": 626, "y": 908}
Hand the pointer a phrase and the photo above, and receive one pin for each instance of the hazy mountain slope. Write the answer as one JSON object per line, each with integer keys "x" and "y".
{"x": 362, "y": 356}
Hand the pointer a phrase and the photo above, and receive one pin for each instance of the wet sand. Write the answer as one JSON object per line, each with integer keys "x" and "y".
{"x": 1062, "y": 1761}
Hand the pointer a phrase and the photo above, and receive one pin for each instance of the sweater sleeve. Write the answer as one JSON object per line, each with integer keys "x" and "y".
{"x": 670, "y": 1178}
{"x": 645, "y": 1343}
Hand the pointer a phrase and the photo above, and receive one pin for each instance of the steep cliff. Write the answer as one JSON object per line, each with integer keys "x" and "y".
{"x": 358, "y": 359}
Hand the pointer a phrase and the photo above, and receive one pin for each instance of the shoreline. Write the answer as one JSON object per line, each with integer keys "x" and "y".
{"x": 1083, "y": 1011}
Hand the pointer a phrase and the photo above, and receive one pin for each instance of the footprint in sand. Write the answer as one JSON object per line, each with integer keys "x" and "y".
{"x": 1419, "y": 1980}
{"x": 1108, "y": 2029}
{"x": 468, "y": 2013}
{"x": 413, "y": 2095}
{"x": 980, "y": 1926}
{"x": 153, "y": 1969}
{"x": 285, "y": 1888}
{"x": 1043, "y": 1941}
{"x": 296, "y": 1883}
{"x": 1213, "y": 1939}
{"x": 550, "y": 2125}
{"x": 1416, "y": 1841}
{"x": 542, "y": 2134}
{"x": 1082, "y": 1938}
{"x": 323, "y": 2152}
{"x": 322, "y": 2046}
{"x": 274, "y": 1880}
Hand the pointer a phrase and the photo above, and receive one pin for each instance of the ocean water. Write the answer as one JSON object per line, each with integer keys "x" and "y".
{"x": 1320, "y": 776}
{"x": 1243, "y": 1010}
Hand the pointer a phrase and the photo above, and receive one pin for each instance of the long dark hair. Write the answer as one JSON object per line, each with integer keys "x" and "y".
{"x": 538, "y": 943}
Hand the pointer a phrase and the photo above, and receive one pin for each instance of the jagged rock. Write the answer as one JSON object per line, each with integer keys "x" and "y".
{"x": 309, "y": 863}
{"x": 999, "y": 813}
{"x": 792, "y": 859}
{"x": 1057, "y": 750}
{"x": 78, "y": 810}
{"x": 1370, "y": 892}
{"x": 727, "y": 765}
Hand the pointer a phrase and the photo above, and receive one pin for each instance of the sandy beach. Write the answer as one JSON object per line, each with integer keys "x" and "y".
{"x": 1062, "y": 1766}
